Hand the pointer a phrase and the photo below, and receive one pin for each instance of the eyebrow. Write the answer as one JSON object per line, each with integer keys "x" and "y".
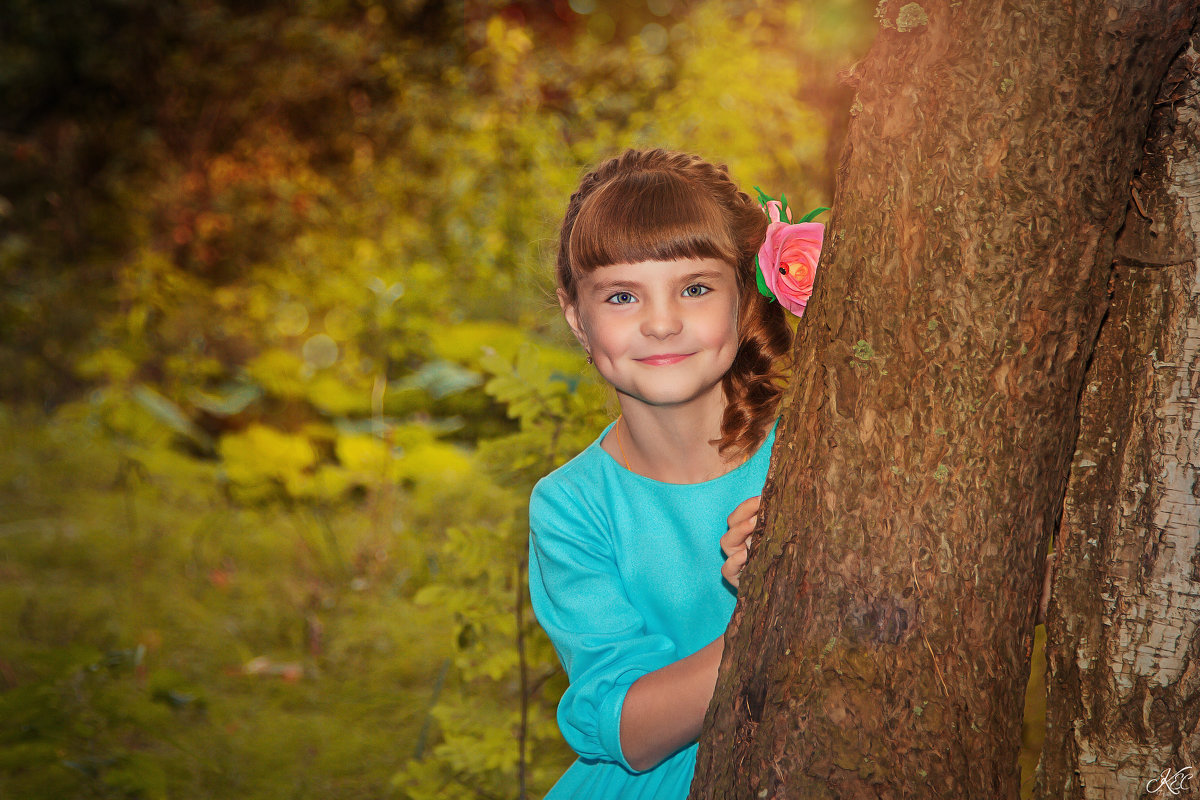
{"x": 612, "y": 285}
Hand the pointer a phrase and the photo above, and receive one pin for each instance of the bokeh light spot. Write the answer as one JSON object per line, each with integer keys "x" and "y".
{"x": 292, "y": 319}
{"x": 583, "y": 6}
{"x": 340, "y": 323}
{"x": 601, "y": 27}
{"x": 320, "y": 351}
{"x": 654, "y": 38}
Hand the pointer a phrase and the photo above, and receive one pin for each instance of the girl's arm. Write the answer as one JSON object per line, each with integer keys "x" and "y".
{"x": 664, "y": 710}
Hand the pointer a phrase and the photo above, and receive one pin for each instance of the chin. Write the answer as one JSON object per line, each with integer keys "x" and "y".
{"x": 666, "y": 396}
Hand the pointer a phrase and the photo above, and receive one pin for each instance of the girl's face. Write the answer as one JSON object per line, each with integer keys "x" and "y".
{"x": 663, "y": 333}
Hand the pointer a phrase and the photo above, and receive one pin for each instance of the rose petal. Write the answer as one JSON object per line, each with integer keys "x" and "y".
{"x": 797, "y": 245}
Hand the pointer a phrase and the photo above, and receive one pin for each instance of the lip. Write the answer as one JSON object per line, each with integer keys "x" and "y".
{"x": 663, "y": 360}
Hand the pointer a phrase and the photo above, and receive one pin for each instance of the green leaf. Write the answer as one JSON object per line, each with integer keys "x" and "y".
{"x": 231, "y": 399}
{"x": 440, "y": 379}
{"x": 763, "y": 289}
{"x": 809, "y": 216}
{"x": 171, "y": 415}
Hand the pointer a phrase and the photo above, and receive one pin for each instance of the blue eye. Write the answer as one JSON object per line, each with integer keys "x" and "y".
{"x": 696, "y": 290}
{"x": 620, "y": 298}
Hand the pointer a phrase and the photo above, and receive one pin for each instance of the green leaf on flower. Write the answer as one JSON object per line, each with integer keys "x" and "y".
{"x": 763, "y": 289}
{"x": 809, "y": 216}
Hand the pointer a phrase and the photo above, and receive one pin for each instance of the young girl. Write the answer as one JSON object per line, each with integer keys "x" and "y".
{"x": 637, "y": 543}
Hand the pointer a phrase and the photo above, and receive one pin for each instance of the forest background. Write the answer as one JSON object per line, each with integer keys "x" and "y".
{"x": 280, "y": 363}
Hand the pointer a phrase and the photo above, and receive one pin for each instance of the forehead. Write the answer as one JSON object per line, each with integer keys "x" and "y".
{"x": 658, "y": 272}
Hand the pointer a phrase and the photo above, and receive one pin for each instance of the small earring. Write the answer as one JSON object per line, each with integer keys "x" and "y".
{"x": 589, "y": 358}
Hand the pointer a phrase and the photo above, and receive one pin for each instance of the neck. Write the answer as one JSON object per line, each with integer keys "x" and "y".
{"x": 671, "y": 444}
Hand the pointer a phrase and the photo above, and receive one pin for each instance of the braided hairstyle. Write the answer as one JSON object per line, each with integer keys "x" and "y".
{"x": 658, "y": 205}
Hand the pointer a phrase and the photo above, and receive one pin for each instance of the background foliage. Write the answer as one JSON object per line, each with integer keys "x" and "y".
{"x": 279, "y": 365}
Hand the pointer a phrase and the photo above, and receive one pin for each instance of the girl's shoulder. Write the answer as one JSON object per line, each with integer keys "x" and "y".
{"x": 569, "y": 504}
{"x": 582, "y": 471}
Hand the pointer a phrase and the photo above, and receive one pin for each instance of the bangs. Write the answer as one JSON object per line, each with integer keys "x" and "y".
{"x": 649, "y": 216}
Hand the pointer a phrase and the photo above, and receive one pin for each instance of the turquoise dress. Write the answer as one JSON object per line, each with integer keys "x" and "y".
{"x": 625, "y": 578}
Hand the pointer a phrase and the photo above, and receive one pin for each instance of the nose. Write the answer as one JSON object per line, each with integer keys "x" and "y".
{"x": 662, "y": 319}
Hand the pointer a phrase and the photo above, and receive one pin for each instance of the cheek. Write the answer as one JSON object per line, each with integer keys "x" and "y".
{"x": 723, "y": 332}
{"x": 612, "y": 337}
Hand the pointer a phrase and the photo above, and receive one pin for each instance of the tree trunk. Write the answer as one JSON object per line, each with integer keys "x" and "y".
{"x": 881, "y": 643}
{"x": 1124, "y": 655}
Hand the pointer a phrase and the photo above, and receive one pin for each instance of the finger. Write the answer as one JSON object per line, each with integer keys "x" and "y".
{"x": 732, "y": 543}
{"x": 731, "y": 570}
{"x": 736, "y": 537}
{"x": 738, "y": 533}
{"x": 746, "y": 508}
{"x": 747, "y": 512}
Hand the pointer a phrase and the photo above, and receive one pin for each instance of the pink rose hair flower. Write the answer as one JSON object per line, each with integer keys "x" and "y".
{"x": 787, "y": 260}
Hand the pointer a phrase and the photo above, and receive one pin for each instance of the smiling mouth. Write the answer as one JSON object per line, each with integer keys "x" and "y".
{"x": 663, "y": 360}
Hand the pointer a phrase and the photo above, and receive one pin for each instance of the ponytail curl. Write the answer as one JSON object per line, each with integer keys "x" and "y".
{"x": 659, "y": 205}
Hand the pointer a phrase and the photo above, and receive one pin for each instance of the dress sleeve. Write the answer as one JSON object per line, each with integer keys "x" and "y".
{"x": 599, "y": 635}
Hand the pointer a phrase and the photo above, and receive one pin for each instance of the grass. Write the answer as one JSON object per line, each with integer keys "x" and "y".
{"x": 160, "y": 640}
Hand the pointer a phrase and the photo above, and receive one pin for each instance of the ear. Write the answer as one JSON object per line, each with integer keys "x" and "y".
{"x": 571, "y": 312}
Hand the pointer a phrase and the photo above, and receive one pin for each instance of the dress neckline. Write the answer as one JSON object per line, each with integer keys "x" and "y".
{"x": 622, "y": 470}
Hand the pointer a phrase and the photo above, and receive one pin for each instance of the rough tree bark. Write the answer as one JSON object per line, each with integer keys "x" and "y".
{"x": 881, "y": 643}
{"x": 1123, "y": 714}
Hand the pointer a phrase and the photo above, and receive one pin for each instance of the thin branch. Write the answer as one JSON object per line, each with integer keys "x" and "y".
{"x": 523, "y": 732}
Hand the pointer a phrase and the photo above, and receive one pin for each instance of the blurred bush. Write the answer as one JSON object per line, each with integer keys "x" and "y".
{"x": 280, "y": 363}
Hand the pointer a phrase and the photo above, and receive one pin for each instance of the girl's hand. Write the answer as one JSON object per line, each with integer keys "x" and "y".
{"x": 736, "y": 541}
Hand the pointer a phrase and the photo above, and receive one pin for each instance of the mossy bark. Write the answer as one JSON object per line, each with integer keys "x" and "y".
{"x": 881, "y": 643}
{"x": 1124, "y": 655}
